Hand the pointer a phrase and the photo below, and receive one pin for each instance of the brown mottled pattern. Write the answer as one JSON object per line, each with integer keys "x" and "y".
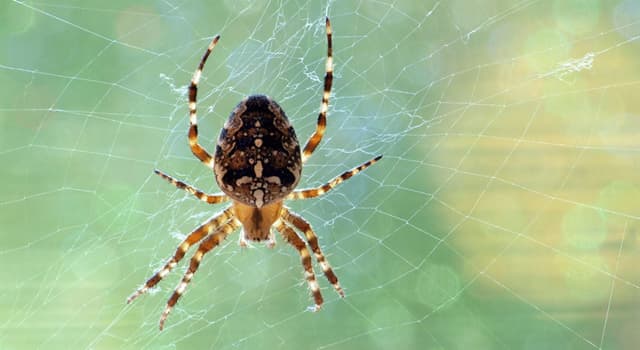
{"x": 257, "y": 161}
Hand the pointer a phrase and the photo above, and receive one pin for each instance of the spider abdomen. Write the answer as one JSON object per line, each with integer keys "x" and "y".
{"x": 257, "y": 159}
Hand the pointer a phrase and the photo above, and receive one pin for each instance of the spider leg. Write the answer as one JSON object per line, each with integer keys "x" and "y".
{"x": 205, "y": 197}
{"x": 198, "y": 150}
{"x": 315, "y": 139}
{"x": 318, "y": 191}
{"x": 291, "y": 237}
{"x": 302, "y": 225}
{"x": 207, "y": 244}
{"x": 193, "y": 238}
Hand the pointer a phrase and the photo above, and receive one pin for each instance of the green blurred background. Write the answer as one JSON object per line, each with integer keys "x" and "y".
{"x": 504, "y": 214}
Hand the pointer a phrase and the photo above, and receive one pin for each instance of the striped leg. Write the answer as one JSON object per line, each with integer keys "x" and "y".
{"x": 315, "y": 139}
{"x": 193, "y": 238}
{"x": 315, "y": 192}
{"x": 291, "y": 237}
{"x": 197, "y": 150}
{"x": 302, "y": 225}
{"x": 207, "y": 244}
{"x": 209, "y": 198}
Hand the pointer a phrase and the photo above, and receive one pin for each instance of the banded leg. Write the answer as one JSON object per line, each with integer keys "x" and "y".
{"x": 198, "y": 150}
{"x": 302, "y": 225}
{"x": 291, "y": 237}
{"x": 207, "y": 244}
{"x": 209, "y": 198}
{"x": 193, "y": 238}
{"x": 318, "y": 191}
{"x": 315, "y": 139}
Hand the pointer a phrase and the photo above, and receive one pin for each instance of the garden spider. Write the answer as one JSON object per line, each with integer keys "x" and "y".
{"x": 257, "y": 165}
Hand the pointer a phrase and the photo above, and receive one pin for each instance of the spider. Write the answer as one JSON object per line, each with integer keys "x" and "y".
{"x": 257, "y": 164}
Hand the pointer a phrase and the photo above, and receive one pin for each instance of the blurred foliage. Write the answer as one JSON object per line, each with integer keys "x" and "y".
{"x": 503, "y": 215}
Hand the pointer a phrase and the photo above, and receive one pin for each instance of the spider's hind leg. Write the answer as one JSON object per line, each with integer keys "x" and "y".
{"x": 315, "y": 139}
{"x": 196, "y": 149}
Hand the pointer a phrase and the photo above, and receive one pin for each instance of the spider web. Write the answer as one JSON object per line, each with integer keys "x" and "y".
{"x": 503, "y": 215}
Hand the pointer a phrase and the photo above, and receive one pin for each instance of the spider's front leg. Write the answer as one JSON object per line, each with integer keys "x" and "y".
{"x": 291, "y": 237}
{"x": 302, "y": 225}
{"x": 207, "y": 244}
{"x": 194, "y": 237}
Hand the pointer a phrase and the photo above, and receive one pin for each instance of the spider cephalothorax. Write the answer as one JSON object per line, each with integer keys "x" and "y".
{"x": 257, "y": 165}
